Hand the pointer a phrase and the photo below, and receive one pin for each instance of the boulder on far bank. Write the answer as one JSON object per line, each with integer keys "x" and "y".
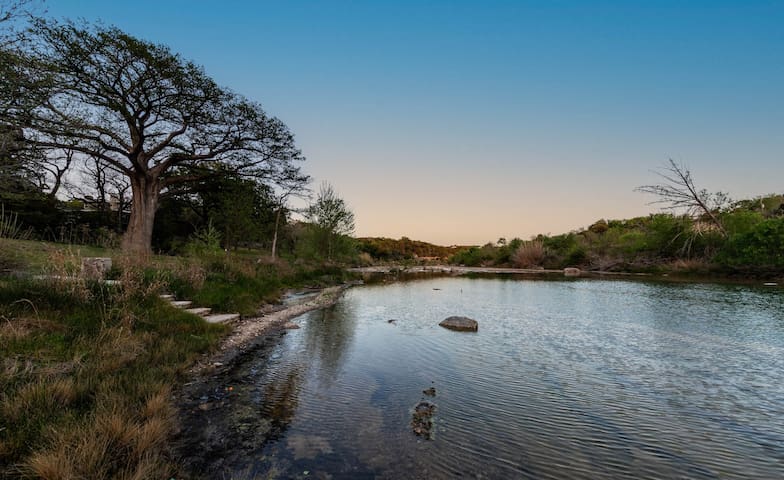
{"x": 572, "y": 272}
{"x": 461, "y": 324}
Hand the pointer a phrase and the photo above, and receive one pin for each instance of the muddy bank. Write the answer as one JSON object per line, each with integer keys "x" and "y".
{"x": 209, "y": 438}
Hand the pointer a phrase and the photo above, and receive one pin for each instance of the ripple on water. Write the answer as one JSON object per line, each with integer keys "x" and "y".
{"x": 565, "y": 379}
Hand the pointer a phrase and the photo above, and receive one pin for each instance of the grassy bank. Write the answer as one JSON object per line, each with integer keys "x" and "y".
{"x": 88, "y": 368}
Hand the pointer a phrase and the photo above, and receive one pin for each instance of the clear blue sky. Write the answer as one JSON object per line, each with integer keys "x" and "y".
{"x": 461, "y": 122}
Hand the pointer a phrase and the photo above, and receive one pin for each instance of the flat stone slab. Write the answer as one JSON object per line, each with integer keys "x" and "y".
{"x": 201, "y": 311}
{"x": 460, "y": 324}
{"x": 96, "y": 267}
{"x": 181, "y": 303}
{"x": 166, "y": 296}
{"x": 222, "y": 317}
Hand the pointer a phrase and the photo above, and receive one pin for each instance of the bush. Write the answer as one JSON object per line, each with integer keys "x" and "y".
{"x": 206, "y": 241}
{"x": 576, "y": 257}
{"x": 741, "y": 221}
{"x": 761, "y": 246}
{"x": 529, "y": 254}
{"x": 474, "y": 256}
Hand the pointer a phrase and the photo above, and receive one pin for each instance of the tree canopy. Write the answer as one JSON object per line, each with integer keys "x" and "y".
{"x": 145, "y": 112}
{"x": 330, "y": 217}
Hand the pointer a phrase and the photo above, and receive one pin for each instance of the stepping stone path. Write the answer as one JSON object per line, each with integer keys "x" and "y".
{"x": 203, "y": 312}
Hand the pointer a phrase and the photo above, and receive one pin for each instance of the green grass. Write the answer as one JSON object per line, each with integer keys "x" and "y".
{"x": 87, "y": 369}
{"x": 242, "y": 284}
{"x": 35, "y": 256}
{"x": 86, "y": 377}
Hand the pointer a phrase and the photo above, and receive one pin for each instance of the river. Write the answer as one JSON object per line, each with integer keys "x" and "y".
{"x": 564, "y": 379}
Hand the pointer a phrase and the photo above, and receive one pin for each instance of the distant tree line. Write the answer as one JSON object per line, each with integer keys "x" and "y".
{"x": 703, "y": 232}
{"x": 389, "y": 249}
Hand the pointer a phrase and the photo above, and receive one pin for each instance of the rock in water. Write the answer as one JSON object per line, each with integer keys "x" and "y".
{"x": 422, "y": 419}
{"x": 461, "y": 324}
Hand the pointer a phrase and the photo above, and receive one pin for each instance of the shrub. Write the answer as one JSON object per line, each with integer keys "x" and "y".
{"x": 529, "y": 254}
{"x": 741, "y": 221}
{"x": 762, "y": 246}
{"x": 206, "y": 241}
{"x": 599, "y": 227}
{"x": 576, "y": 256}
{"x": 474, "y": 256}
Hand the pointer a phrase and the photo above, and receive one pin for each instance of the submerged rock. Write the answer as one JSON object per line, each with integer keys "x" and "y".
{"x": 430, "y": 392}
{"x": 422, "y": 419}
{"x": 461, "y": 324}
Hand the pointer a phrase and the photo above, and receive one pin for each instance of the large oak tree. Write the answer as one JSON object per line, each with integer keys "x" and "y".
{"x": 147, "y": 113}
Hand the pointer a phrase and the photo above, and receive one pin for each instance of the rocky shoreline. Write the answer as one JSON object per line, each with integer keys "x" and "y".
{"x": 207, "y": 440}
{"x": 246, "y": 331}
{"x": 459, "y": 270}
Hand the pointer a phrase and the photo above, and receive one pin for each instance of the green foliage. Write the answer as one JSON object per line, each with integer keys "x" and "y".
{"x": 232, "y": 283}
{"x": 741, "y": 221}
{"x": 205, "y": 242}
{"x": 506, "y": 250}
{"x": 599, "y": 227}
{"x": 331, "y": 223}
{"x": 767, "y": 206}
{"x": 189, "y": 123}
{"x": 666, "y": 235}
{"x": 760, "y": 246}
{"x": 475, "y": 256}
{"x": 657, "y": 241}
{"x": 315, "y": 244}
{"x": 389, "y": 249}
{"x": 576, "y": 256}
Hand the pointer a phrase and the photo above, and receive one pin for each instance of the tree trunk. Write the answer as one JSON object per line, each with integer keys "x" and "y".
{"x": 144, "y": 203}
{"x": 275, "y": 234}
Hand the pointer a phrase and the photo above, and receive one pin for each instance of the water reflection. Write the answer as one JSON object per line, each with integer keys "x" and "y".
{"x": 328, "y": 336}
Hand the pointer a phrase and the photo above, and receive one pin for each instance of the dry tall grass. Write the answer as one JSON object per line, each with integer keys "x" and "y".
{"x": 529, "y": 255}
{"x": 86, "y": 372}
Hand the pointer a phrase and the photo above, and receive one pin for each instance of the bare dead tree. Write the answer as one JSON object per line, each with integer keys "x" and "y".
{"x": 53, "y": 169}
{"x": 101, "y": 186}
{"x": 678, "y": 192}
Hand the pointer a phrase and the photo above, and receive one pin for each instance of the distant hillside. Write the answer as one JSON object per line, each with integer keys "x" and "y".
{"x": 389, "y": 249}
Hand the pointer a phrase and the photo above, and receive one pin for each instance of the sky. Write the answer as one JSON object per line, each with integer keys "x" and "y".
{"x": 459, "y": 122}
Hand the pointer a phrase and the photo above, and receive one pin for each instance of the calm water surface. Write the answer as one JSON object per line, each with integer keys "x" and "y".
{"x": 565, "y": 379}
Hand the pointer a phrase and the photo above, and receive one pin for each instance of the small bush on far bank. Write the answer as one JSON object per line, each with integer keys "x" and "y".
{"x": 761, "y": 246}
{"x": 530, "y": 254}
